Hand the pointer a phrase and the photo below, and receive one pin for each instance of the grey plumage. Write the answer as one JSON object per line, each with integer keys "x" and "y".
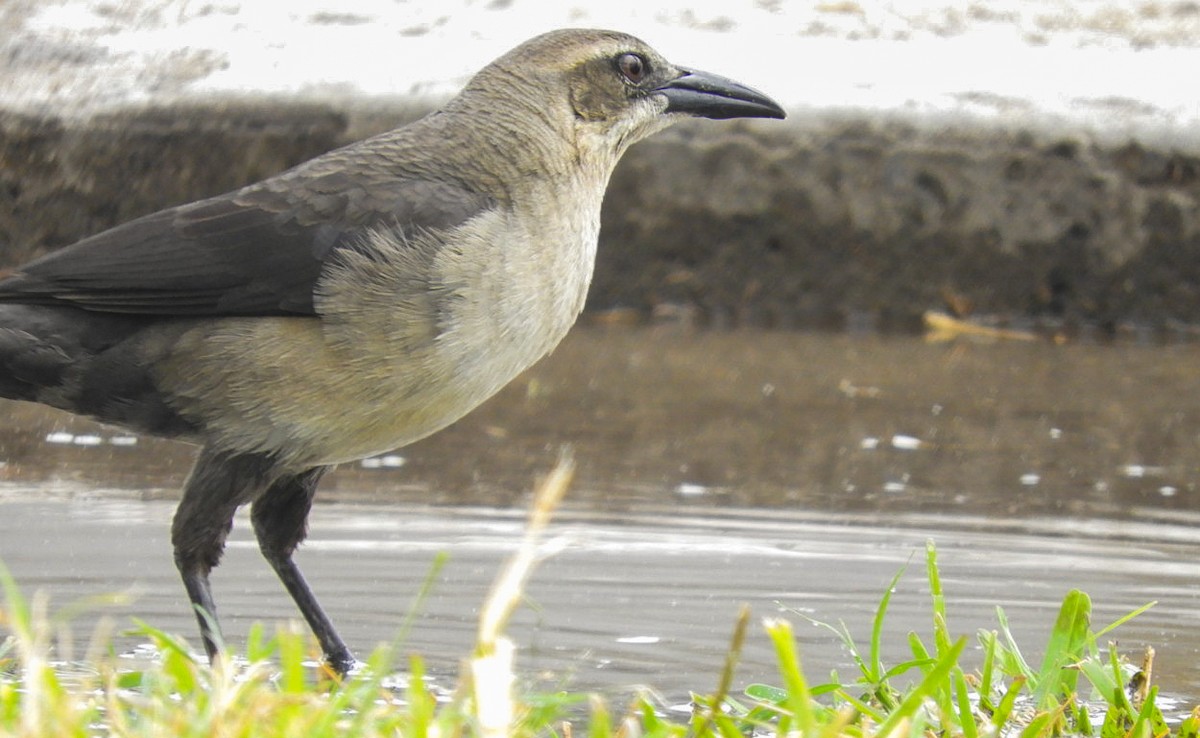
{"x": 355, "y": 303}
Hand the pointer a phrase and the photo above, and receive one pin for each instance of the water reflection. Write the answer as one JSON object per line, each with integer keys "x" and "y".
{"x": 714, "y": 468}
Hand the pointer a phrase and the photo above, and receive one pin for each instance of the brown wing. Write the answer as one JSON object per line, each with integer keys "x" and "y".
{"x": 258, "y": 251}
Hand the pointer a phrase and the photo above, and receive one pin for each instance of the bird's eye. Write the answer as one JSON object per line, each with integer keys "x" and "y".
{"x": 632, "y": 67}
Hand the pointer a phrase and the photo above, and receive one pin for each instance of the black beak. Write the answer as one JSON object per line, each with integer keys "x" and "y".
{"x": 709, "y": 96}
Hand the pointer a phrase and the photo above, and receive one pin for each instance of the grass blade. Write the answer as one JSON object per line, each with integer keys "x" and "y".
{"x": 1065, "y": 647}
{"x": 915, "y": 699}
{"x": 874, "y": 671}
{"x": 799, "y": 701}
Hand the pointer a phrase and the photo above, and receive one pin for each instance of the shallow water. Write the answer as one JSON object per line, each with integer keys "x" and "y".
{"x": 780, "y": 470}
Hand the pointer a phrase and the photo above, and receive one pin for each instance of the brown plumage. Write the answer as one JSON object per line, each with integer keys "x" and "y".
{"x": 355, "y": 303}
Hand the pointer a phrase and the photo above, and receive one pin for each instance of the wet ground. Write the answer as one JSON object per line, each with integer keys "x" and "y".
{"x": 716, "y": 468}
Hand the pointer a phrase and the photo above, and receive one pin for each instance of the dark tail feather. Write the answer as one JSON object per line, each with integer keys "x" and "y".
{"x": 85, "y": 363}
{"x": 38, "y": 346}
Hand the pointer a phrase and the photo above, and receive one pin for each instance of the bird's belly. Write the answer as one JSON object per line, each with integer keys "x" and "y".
{"x": 276, "y": 386}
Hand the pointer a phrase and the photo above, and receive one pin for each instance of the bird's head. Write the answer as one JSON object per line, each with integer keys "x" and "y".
{"x": 605, "y": 90}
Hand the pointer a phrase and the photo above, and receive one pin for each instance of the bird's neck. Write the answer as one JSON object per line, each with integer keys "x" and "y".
{"x": 520, "y": 148}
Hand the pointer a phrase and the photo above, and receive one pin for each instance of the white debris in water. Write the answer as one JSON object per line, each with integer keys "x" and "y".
{"x": 896, "y": 487}
{"x": 88, "y": 439}
{"x": 639, "y": 640}
{"x": 849, "y": 389}
{"x": 1167, "y": 491}
{"x": 1031, "y": 479}
{"x": 141, "y": 651}
{"x": 899, "y": 441}
{"x": 688, "y": 489}
{"x": 1138, "y": 471}
{"x": 1056, "y": 433}
{"x": 388, "y": 461}
{"x": 906, "y": 443}
{"x": 768, "y": 389}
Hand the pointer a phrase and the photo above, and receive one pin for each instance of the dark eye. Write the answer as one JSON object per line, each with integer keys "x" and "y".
{"x": 632, "y": 67}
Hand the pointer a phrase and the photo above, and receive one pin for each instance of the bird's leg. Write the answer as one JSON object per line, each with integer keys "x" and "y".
{"x": 280, "y": 521}
{"x": 218, "y": 484}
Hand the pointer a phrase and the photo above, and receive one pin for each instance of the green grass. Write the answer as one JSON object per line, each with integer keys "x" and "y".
{"x": 1081, "y": 687}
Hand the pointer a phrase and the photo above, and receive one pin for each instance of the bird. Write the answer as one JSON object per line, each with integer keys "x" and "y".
{"x": 353, "y": 304}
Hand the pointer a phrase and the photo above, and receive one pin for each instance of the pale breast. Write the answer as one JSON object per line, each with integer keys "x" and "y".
{"x": 413, "y": 335}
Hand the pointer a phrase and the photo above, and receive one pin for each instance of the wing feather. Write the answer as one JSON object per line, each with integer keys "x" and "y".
{"x": 255, "y": 252}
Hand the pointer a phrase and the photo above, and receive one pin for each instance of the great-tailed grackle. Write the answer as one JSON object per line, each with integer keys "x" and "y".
{"x": 355, "y": 303}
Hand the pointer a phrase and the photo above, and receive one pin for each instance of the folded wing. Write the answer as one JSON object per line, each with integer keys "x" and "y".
{"x": 259, "y": 251}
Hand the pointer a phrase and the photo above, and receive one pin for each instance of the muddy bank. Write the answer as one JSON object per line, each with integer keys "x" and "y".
{"x": 822, "y": 221}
